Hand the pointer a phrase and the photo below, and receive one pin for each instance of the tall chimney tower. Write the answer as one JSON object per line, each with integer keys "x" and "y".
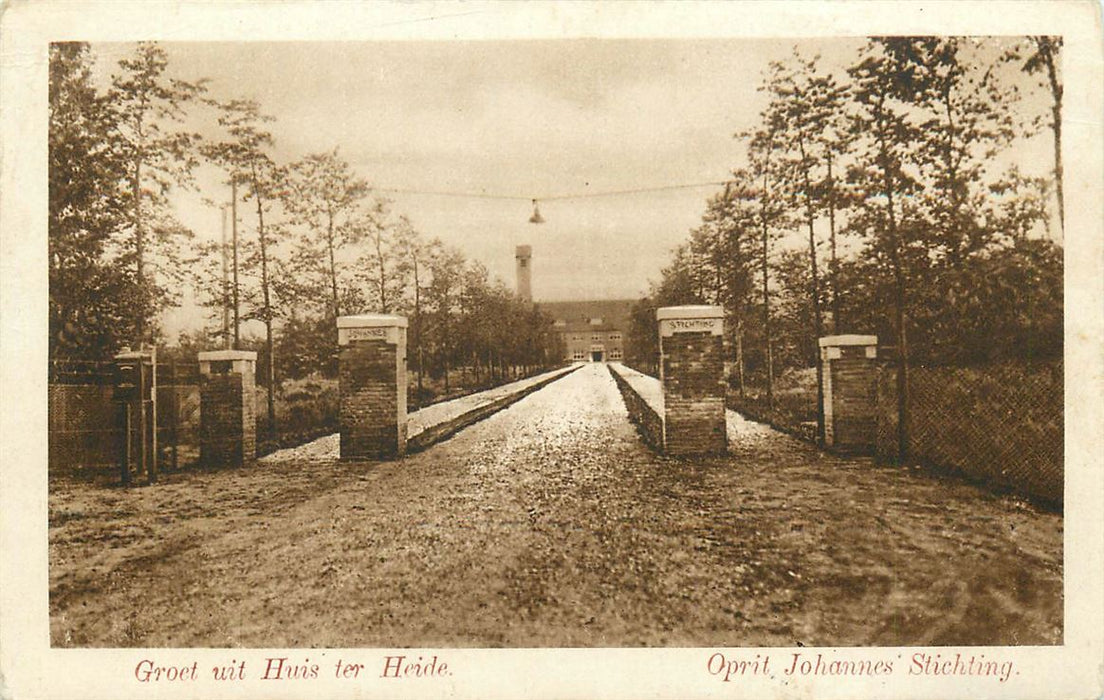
{"x": 524, "y": 256}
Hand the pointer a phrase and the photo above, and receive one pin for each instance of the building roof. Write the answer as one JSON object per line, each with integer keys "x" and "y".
{"x": 576, "y": 315}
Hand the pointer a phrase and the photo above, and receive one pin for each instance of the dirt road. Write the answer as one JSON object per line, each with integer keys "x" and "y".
{"x": 550, "y": 524}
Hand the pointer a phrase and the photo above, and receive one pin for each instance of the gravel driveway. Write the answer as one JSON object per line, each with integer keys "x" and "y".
{"x": 550, "y": 524}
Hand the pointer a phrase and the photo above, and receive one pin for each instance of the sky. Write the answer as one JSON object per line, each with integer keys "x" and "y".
{"x": 524, "y": 118}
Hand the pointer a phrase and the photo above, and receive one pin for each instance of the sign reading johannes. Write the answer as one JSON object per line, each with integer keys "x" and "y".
{"x": 366, "y": 334}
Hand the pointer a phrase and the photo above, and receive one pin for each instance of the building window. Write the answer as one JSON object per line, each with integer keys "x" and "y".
{"x": 615, "y": 354}
{"x": 596, "y": 338}
{"x": 579, "y": 355}
{"x": 615, "y": 337}
{"x": 576, "y": 337}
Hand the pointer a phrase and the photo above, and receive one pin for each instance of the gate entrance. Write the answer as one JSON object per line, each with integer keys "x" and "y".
{"x": 596, "y": 355}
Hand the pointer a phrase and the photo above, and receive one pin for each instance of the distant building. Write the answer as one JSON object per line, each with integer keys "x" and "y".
{"x": 592, "y": 331}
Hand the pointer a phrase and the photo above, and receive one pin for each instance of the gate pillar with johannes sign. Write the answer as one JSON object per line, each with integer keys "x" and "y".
{"x": 372, "y": 385}
{"x": 691, "y": 370}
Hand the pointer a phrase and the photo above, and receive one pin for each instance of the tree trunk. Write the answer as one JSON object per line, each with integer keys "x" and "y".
{"x": 740, "y": 353}
{"x": 267, "y": 299}
{"x": 234, "y": 248}
{"x": 898, "y": 301}
{"x": 766, "y": 277}
{"x": 418, "y": 328}
{"x": 445, "y": 350}
{"x": 226, "y": 339}
{"x": 139, "y": 244}
{"x": 1056, "y": 122}
{"x": 382, "y": 271}
{"x": 766, "y": 320}
{"x": 834, "y": 265}
{"x": 333, "y": 262}
{"x": 818, "y": 324}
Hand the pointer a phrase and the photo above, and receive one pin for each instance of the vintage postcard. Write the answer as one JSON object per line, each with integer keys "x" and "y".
{"x": 552, "y": 350}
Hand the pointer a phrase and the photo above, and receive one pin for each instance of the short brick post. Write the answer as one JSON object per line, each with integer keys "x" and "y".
{"x": 227, "y": 410}
{"x": 849, "y": 368}
{"x": 691, "y": 369}
{"x": 372, "y": 382}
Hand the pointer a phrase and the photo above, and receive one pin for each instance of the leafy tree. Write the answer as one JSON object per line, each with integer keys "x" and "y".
{"x": 884, "y": 82}
{"x": 1010, "y": 305}
{"x": 381, "y": 264}
{"x": 642, "y": 349}
{"x": 796, "y": 309}
{"x": 159, "y": 156}
{"x": 417, "y": 255}
{"x": 799, "y": 116}
{"x": 806, "y": 107}
{"x": 1042, "y": 54}
{"x": 724, "y": 253}
{"x": 244, "y": 155}
{"x": 442, "y": 297}
{"x": 307, "y": 344}
{"x": 96, "y": 304}
{"x": 771, "y": 218}
{"x": 325, "y": 196}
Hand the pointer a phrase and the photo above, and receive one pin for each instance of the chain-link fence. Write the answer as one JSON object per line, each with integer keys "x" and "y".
{"x": 84, "y": 428}
{"x": 1002, "y": 424}
{"x": 86, "y": 423}
{"x": 178, "y": 414}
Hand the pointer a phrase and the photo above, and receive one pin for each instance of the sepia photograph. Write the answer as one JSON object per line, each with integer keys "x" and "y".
{"x": 749, "y": 348}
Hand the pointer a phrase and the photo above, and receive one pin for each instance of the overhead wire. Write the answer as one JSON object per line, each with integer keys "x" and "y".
{"x": 550, "y": 198}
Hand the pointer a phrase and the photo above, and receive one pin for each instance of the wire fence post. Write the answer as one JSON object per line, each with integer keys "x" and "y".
{"x": 151, "y": 473}
{"x": 124, "y": 461}
{"x": 174, "y": 421}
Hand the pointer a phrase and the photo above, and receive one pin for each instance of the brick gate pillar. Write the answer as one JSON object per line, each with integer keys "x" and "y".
{"x": 849, "y": 368}
{"x": 372, "y": 382}
{"x": 227, "y": 407}
{"x": 691, "y": 369}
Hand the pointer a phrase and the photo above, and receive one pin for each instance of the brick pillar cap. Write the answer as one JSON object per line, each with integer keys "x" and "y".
{"x": 524, "y": 251}
{"x": 371, "y": 321}
{"x": 135, "y": 355}
{"x": 669, "y": 312}
{"x": 223, "y": 355}
{"x": 836, "y": 340}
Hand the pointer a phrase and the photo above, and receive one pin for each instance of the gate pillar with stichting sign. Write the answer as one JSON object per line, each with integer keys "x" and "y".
{"x": 691, "y": 370}
{"x": 372, "y": 383}
{"x": 227, "y": 407}
{"x": 849, "y": 368}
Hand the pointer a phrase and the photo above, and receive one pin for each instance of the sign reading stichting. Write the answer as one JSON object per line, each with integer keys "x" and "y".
{"x": 670, "y": 326}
